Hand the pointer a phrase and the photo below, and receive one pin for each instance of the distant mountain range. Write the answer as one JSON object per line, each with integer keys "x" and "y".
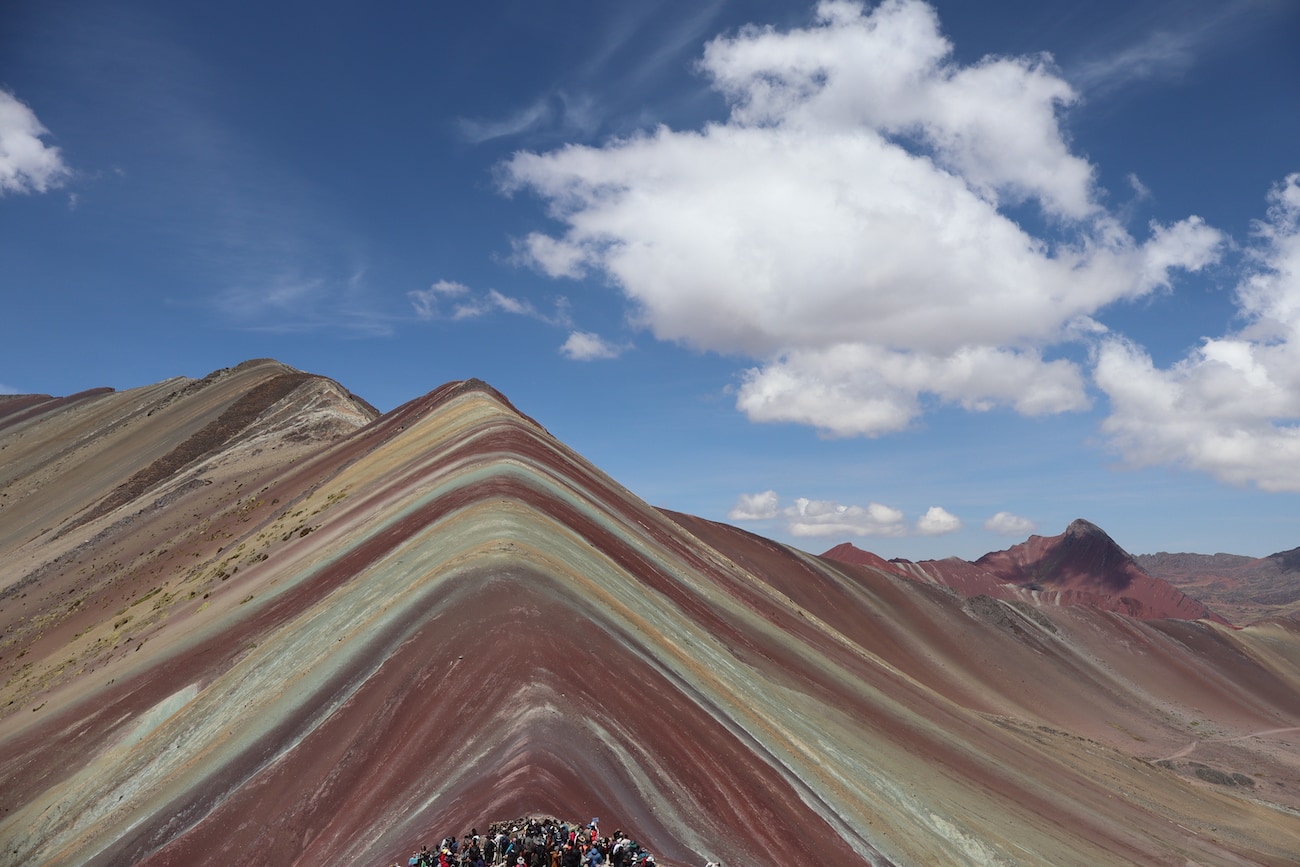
{"x": 1084, "y": 566}
{"x": 1241, "y": 588}
{"x": 246, "y": 619}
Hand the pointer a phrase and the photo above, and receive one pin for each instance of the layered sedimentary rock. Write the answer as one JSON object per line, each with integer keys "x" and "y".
{"x": 323, "y": 639}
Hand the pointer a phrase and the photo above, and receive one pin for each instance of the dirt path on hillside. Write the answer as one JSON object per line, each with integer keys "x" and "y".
{"x": 1187, "y": 750}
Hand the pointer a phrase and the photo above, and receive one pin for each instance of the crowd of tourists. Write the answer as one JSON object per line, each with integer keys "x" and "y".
{"x": 537, "y": 842}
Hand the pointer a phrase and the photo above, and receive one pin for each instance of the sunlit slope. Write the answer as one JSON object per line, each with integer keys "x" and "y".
{"x": 68, "y": 461}
{"x": 113, "y": 503}
{"x": 448, "y": 617}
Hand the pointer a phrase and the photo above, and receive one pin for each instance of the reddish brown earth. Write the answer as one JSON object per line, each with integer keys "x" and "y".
{"x": 1082, "y": 566}
{"x": 243, "y": 621}
{"x": 1242, "y": 588}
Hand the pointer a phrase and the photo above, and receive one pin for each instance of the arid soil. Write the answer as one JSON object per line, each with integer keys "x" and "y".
{"x": 1241, "y": 588}
{"x": 246, "y": 622}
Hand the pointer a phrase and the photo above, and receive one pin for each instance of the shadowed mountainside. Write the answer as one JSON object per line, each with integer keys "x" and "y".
{"x": 327, "y": 639}
{"x": 1082, "y": 566}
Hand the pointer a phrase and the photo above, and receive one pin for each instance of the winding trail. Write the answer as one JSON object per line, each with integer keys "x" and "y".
{"x": 1187, "y": 750}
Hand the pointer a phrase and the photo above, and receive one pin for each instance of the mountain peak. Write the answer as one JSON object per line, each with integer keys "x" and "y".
{"x": 1084, "y": 527}
{"x": 1083, "y": 554}
{"x": 1081, "y": 566}
{"x": 847, "y": 552}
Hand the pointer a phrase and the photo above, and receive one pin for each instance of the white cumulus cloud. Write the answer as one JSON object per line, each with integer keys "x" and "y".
{"x": 586, "y": 346}
{"x": 845, "y": 225}
{"x": 1007, "y": 524}
{"x": 937, "y": 521}
{"x": 809, "y": 517}
{"x": 856, "y": 389}
{"x": 1231, "y": 408}
{"x": 825, "y": 518}
{"x": 27, "y": 163}
{"x": 754, "y": 507}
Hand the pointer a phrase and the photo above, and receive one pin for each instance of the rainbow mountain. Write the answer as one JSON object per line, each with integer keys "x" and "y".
{"x": 246, "y": 619}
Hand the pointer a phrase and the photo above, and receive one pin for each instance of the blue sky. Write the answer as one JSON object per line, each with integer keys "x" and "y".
{"x": 924, "y": 277}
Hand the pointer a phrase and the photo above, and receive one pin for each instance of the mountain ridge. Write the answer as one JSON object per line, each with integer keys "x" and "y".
{"x": 1245, "y": 588}
{"x": 352, "y": 641}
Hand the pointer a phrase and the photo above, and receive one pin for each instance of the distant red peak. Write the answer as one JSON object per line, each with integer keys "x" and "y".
{"x": 1086, "y": 566}
{"x": 847, "y": 552}
{"x": 1083, "y": 557}
{"x": 1081, "y": 566}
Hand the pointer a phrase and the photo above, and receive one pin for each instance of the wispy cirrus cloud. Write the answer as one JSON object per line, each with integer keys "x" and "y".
{"x": 450, "y": 299}
{"x": 250, "y": 238}
{"x": 1163, "y": 54}
{"x": 454, "y": 301}
{"x": 682, "y": 39}
{"x": 633, "y": 46}
{"x": 1167, "y": 43}
{"x": 291, "y": 302}
{"x": 556, "y": 113}
{"x": 529, "y": 117}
